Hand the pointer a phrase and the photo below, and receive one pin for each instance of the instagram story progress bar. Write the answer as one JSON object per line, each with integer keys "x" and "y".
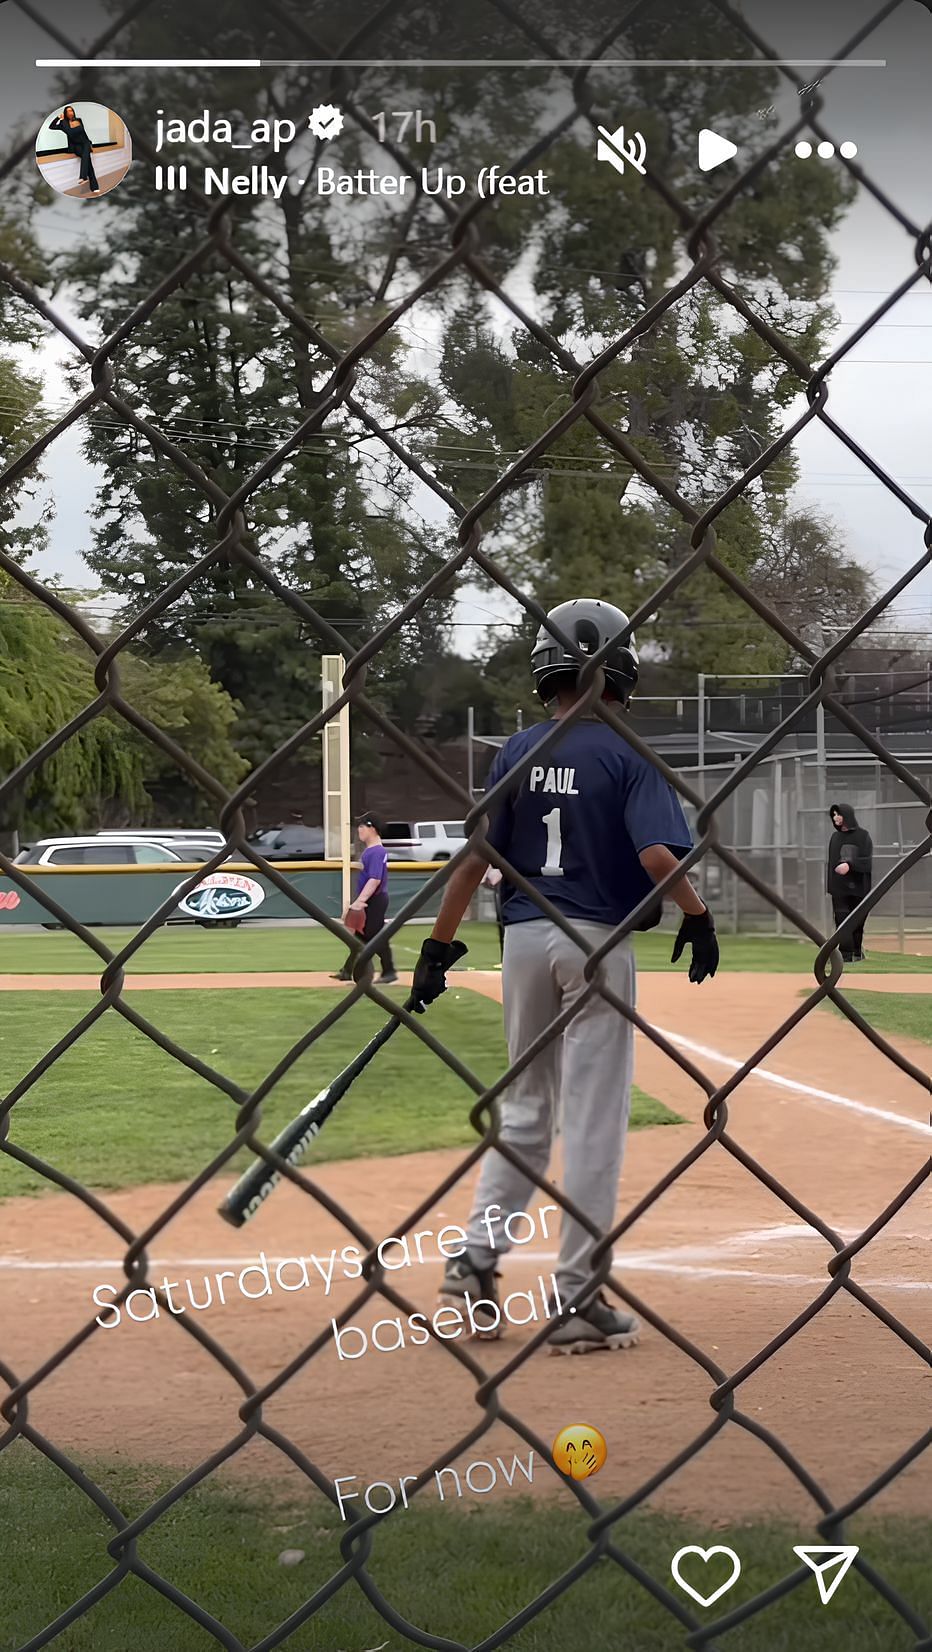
{"x": 460, "y": 63}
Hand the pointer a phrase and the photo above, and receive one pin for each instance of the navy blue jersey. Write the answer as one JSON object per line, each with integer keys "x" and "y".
{"x": 577, "y": 822}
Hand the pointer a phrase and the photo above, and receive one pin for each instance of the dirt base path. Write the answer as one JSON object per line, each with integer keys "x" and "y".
{"x": 487, "y": 981}
{"x": 720, "y": 1257}
{"x": 172, "y": 983}
{"x": 913, "y": 945}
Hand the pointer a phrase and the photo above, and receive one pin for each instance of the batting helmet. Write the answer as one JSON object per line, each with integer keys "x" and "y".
{"x": 590, "y": 624}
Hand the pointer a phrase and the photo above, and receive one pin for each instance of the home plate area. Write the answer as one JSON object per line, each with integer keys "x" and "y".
{"x": 718, "y": 1267}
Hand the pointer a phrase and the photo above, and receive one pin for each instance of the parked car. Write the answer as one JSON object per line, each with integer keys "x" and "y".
{"x": 295, "y": 842}
{"x": 171, "y": 834}
{"x": 109, "y": 851}
{"x": 423, "y": 839}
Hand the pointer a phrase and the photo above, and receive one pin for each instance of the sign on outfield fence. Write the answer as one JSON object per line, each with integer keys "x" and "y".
{"x": 222, "y": 895}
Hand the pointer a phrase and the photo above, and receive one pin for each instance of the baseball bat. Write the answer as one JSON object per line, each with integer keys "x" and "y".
{"x": 256, "y": 1183}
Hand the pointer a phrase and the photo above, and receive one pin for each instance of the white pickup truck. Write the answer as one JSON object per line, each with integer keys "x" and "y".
{"x": 423, "y": 839}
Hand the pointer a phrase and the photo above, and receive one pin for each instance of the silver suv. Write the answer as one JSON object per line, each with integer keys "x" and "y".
{"x": 176, "y": 836}
{"x": 109, "y": 851}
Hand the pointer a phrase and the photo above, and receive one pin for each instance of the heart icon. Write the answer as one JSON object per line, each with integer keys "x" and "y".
{"x": 705, "y": 1555}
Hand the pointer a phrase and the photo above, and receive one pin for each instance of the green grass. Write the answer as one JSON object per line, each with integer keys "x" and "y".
{"x": 186, "y": 949}
{"x": 903, "y": 1014}
{"x": 778, "y": 955}
{"x": 647, "y": 1110}
{"x": 116, "y": 1111}
{"x": 455, "y": 1571}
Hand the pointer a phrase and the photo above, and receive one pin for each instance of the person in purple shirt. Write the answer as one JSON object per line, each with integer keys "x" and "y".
{"x": 372, "y": 896}
{"x": 591, "y": 826}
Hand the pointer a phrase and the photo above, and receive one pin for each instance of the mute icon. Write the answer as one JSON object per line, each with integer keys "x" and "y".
{"x": 619, "y": 153}
{"x": 830, "y": 1563}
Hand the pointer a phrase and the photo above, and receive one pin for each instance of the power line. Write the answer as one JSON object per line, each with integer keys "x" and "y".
{"x": 492, "y": 255}
{"x": 573, "y": 464}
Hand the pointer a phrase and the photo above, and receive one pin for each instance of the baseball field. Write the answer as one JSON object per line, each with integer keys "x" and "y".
{"x": 720, "y": 1266}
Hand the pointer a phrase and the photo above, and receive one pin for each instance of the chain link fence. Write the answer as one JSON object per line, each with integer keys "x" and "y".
{"x": 776, "y": 824}
{"x": 236, "y": 545}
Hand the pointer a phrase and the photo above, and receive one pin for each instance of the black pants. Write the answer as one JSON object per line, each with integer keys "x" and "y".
{"x": 851, "y": 944}
{"x": 376, "y": 913}
{"x": 88, "y": 175}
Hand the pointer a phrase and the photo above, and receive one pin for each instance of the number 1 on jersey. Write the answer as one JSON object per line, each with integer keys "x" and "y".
{"x": 551, "y": 867}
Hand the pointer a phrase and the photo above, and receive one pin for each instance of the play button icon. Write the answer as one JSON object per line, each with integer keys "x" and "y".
{"x": 714, "y": 150}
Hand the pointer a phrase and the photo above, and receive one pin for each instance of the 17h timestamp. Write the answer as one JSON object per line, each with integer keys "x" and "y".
{"x": 399, "y": 124}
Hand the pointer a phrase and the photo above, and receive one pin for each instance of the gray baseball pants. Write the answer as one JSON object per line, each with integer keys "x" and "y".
{"x": 579, "y": 1086}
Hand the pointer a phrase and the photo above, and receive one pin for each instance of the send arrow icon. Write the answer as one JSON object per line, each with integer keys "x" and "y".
{"x": 823, "y": 1560}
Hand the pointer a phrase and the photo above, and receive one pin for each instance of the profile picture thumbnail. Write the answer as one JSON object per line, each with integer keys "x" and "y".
{"x": 83, "y": 149}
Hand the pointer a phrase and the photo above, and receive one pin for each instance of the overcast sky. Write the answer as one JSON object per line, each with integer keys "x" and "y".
{"x": 882, "y": 394}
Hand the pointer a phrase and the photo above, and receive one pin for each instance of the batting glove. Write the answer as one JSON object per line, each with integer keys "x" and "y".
{"x": 430, "y": 971}
{"x": 698, "y": 931}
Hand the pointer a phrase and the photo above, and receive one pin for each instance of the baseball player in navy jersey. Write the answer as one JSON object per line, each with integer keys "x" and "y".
{"x": 592, "y": 826}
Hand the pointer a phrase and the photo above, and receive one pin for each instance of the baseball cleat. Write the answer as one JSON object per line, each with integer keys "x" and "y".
{"x": 593, "y": 1327}
{"x": 474, "y": 1292}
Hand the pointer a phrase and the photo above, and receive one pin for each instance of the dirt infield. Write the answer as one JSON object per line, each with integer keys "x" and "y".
{"x": 719, "y": 1256}
{"x": 208, "y": 982}
{"x": 918, "y": 946}
{"x": 486, "y": 981}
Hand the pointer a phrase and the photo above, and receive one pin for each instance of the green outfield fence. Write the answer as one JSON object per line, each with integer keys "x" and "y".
{"x": 455, "y": 247}
{"x": 102, "y": 895}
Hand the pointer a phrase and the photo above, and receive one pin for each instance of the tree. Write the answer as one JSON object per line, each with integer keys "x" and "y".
{"x": 700, "y": 395}
{"x": 179, "y": 697}
{"x": 107, "y": 773}
{"x": 806, "y": 577}
{"x": 22, "y": 415}
{"x": 227, "y": 376}
{"x": 45, "y": 681}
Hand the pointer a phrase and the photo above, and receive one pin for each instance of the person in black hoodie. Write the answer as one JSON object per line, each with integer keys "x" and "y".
{"x": 79, "y": 143}
{"x": 850, "y": 861}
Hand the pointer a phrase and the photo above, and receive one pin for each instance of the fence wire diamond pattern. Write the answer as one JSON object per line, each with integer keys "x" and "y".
{"x": 604, "y": 1527}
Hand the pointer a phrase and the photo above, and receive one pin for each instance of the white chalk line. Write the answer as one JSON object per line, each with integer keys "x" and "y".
{"x": 735, "y": 1063}
{"x": 686, "y": 1261}
{"x": 681, "y": 1270}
